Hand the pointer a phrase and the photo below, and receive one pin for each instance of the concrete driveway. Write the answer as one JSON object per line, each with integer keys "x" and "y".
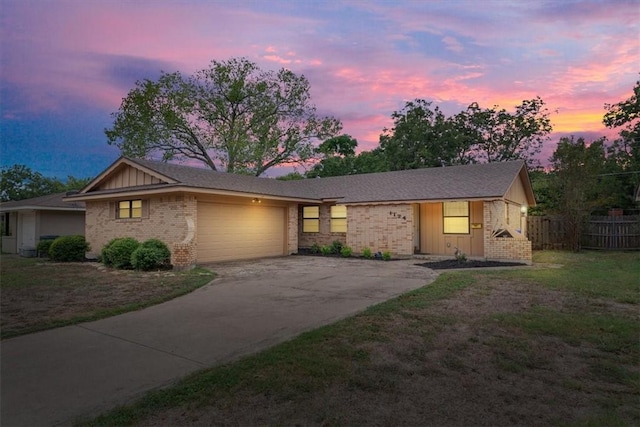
{"x": 52, "y": 377}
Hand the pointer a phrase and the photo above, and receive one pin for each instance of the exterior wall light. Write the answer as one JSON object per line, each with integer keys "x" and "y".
{"x": 256, "y": 200}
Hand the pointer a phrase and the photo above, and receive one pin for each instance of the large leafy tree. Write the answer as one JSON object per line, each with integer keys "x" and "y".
{"x": 501, "y": 135}
{"x": 626, "y": 115}
{"x": 575, "y": 184}
{"x": 232, "y": 114}
{"x": 422, "y": 137}
{"x": 625, "y": 151}
{"x": 18, "y": 182}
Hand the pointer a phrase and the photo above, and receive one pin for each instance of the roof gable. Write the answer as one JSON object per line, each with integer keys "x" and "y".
{"x": 124, "y": 173}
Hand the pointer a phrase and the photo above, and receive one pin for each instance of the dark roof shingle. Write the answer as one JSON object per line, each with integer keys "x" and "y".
{"x": 50, "y": 201}
{"x": 474, "y": 181}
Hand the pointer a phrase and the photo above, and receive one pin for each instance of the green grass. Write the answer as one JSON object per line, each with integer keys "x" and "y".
{"x": 610, "y": 275}
{"x": 616, "y": 334}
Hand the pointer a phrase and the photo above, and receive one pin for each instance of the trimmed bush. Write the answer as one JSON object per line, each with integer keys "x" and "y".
{"x": 326, "y": 250}
{"x": 44, "y": 246}
{"x": 386, "y": 256}
{"x": 336, "y": 247}
{"x": 346, "y": 251}
{"x": 117, "y": 253}
{"x": 366, "y": 252}
{"x": 68, "y": 249}
{"x": 315, "y": 248}
{"x": 152, "y": 254}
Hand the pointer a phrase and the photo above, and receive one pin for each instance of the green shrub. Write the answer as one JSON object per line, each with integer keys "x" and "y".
{"x": 336, "y": 247}
{"x": 44, "y": 246}
{"x": 345, "y": 251}
{"x": 152, "y": 254}
{"x": 68, "y": 249}
{"x": 386, "y": 255}
{"x": 314, "y": 249}
{"x": 117, "y": 253}
{"x": 366, "y": 252}
{"x": 326, "y": 250}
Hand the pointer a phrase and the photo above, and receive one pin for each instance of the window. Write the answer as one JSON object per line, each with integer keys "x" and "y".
{"x": 455, "y": 217}
{"x": 130, "y": 209}
{"x": 338, "y": 219}
{"x": 6, "y": 224}
{"x": 311, "y": 219}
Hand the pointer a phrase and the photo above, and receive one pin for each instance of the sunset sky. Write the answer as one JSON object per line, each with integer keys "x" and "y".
{"x": 66, "y": 65}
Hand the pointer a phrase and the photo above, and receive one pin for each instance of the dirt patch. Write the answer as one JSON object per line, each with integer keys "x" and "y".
{"x": 450, "y": 363}
{"x": 37, "y": 294}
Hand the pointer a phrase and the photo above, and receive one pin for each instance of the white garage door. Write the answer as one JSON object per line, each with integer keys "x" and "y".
{"x": 230, "y": 232}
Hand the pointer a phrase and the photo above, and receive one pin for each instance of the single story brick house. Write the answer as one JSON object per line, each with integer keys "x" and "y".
{"x": 24, "y": 222}
{"x": 207, "y": 216}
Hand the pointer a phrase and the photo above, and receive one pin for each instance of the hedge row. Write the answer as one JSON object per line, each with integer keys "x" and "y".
{"x": 128, "y": 253}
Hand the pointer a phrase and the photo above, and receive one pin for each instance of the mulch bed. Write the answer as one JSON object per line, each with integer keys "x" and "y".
{"x": 452, "y": 263}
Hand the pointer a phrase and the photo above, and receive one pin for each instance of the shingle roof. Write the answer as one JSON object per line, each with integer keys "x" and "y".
{"x": 50, "y": 201}
{"x": 453, "y": 182}
{"x": 206, "y": 178}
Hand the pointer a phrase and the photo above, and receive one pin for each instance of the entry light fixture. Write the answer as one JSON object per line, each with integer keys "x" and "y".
{"x": 256, "y": 200}
{"x": 523, "y": 210}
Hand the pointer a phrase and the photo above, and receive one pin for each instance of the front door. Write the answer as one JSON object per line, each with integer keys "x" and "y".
{"x": 28, "y": 230}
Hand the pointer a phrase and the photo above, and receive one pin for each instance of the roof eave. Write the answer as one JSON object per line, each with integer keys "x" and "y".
{"x": 40, "y": 208}
{"x": 178, "y": 188}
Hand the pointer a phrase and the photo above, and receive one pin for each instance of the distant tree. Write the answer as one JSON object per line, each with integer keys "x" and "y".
{"x": 291, "y": 176}
{"x": 541, "y": 182}
{"x": 339, "y": 158}
{"x": 74, "y": 183}
{"x": 626, "y": 113}
{"x": 18, "y": 182}
{"x": 232, "y": 114}
{"x": 423, "y": 137}
{"x": 625, "y": 151}
{"x": 500, "y": 135}
{"x": 577, "y": 170}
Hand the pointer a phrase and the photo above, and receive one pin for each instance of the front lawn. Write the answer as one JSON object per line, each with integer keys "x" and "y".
{"x": 37, "y": 294}
{"x": 550, "y": 345}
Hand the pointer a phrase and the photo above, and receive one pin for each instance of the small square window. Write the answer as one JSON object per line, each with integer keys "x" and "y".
{"x": 455, "y": 217}
{"x": 130, "y": 209}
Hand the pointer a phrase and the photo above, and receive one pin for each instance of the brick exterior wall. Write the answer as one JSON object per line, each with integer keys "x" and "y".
{"x": 324, "y": 236}
{"x": 165, "y": 218}
{"x": 381, "y": 228}
{"x": 292, "y": 228}
{"x": 503, "y": 248}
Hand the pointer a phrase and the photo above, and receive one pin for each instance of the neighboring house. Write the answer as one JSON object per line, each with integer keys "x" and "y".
{"x": 207, "y": 216}
{"x": 25, "y": 221}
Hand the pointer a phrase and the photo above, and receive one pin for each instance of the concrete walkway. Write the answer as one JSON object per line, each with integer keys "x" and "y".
{"x": 53, "y": 377}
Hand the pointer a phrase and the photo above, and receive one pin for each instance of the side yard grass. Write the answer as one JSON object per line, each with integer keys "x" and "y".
{"x": 36, "y": 294}
{"x": 554, "y": 345}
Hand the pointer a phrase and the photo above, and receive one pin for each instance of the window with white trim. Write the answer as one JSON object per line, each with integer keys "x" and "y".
{"x": 455, "y": 217}
{"x": 338, "y": 219}
{"x": 129, "y": 209}
{"x": 310, "y": 219}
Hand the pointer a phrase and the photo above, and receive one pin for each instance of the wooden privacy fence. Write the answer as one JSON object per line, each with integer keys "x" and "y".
{"x": 612, "y": 232}
{"x": 547, "y": 232}
{"x": 600, "y": 232}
